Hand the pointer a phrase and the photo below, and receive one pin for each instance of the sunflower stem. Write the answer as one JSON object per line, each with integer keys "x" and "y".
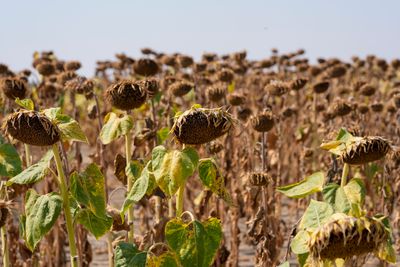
{"x": 4, "y": 246}
{"x": 128, "y": 154}
{"x": 345, "y": 173}
{"x": 66, "y": 206}
{"x": 179, "y": 200}
{"x": 27, "y": 155}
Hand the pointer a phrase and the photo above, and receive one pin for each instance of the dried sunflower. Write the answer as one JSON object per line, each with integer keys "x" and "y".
{"x": 32, "y": 128}
{"x": 201, "y": 125}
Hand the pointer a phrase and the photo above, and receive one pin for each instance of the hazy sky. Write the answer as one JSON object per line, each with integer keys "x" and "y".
{"x": 89, "y": 30}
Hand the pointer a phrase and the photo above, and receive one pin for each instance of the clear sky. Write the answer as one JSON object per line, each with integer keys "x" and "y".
{"x": 89, "y": 30}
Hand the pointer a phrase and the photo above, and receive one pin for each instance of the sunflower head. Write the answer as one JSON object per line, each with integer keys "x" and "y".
{"x": 32, "y": 128}
{"x": 347, "y": 236}
{"x": 201, "y": 125}
{"x": 126, "y": 95}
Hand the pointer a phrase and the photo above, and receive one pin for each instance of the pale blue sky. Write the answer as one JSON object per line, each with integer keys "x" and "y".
{"x": 89, "y": 30}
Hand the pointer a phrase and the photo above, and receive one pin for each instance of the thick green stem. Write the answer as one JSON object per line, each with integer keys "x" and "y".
{"x": 345, "y": 173}
{"x": 179, "y": 200}
{"x": 4, "y": 246}
{"x": 128, "y": 154}
{"x": 67, "y": 210}
{"x": 27, "y": 155}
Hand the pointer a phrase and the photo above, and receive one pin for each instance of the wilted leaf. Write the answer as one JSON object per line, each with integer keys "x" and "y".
{"x": 33, "y": 173}
{"x": 316, "y": 214}
{"x": 96, "y": 225}
{"x": 299, "y": 242}
{"x": 172, "y": 168}
{"x": 311, "y": 184}
{"x": 195, "y": 243}
{"x": 10, "y": 162}
{"x": 127, "y": 255}
{"x": 166, "y": 259}
{"x": 88, "y": 189}
{"x": 25, "y": 103}
{"x": 343, "y": 139}
{"x": 41, "y": 212}
{"x": 69, "y": 128}
{"x": 115, "y": 127}
{"x": 212, "y": 179}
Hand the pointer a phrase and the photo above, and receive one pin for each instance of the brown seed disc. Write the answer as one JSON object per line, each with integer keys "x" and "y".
{"x": 145, "y": 67}
{"x": 321, "y": 87}
{"x": 377, "y": 107}
{"x": 32, "y": 128}
{"x": 46, "y": 68}
{"x": 236, "y": 99}
{"x": 259, "y": 179}
{"x": 151, "y": 86}
{"x": 72, "y": 66}
{"x": 263, "y": 122}
{"x": 347, "y": 237}
{"x": 3, "y": 216}
{"x": 126, "y": 95}
{"x": 277, "y": 88}
{"x": 226, "y": 75}
{"x": 244, "y": 113}
{"x": 14, "y": 87}
{"x": 367, "y": 90}
{"x": 298, "y": 84}
{"x": 341, "y": 108}
{"x": 181, "y": 88}
{"x": 216, "y": 93}
{"x": 200, "y": 125}
{"x": 366, "y": 150}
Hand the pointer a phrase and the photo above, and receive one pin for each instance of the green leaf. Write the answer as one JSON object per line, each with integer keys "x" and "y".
{"x": 96, "y": 225}
{"x": 162, "y": 135}
{"x": 134, "y": 170}
{"x": 114, "y": 127}
{"x": 285, "y": 264}
{"x": 311, "y": 184}
{"x": 33, "y": 173}
{"x": 41, "y": 212}
{"x": 139, "y": 188}
{"x": 172, "y": 168}
{"x": 10, "y": 162}
{"x": 299, "y": 244}
{"x": 212, "y": 179}
{"x": 166, "y": 259}
{"x": 25, "y": 103}
{"x": 88, "y": 189}
{"x": 316, "y": 214}
{"x": 302, "y": 258}
{"x": 347, "y": 199}
{"x": 69, "y": 128}
{"x": 195, "y": 243}
{"x": 127, "y": 255}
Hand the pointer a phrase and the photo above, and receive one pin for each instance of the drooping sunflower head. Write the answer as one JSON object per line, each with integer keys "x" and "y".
{"x": 263, "y": 122}
{"x": 126, "y": 95}
{"x": 14, "y": 87}
{"x": 365, "y": 149}
{"x": 32, "y": 128}
{"x": 259, "y": 178}
{"x": 347, "y": 236}
{"x": 201, "y": 125}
